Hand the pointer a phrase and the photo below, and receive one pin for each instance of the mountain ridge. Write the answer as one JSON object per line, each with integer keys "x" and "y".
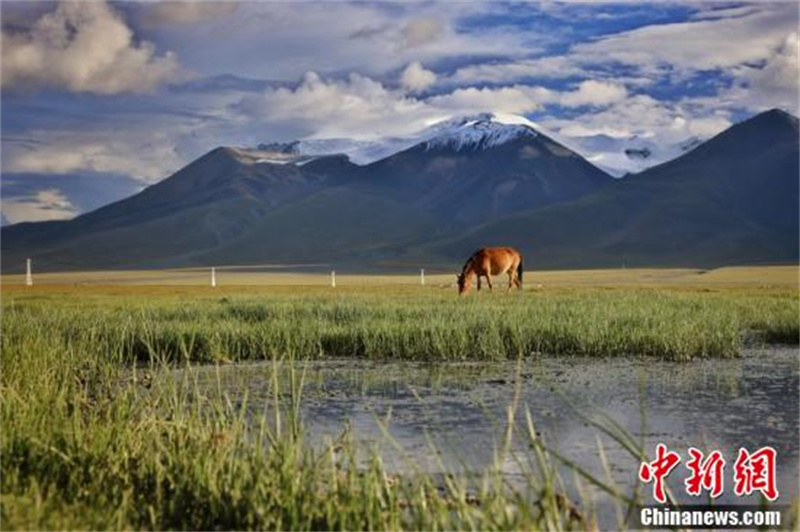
{"x": 685, "y": 212}
{"x": 437, "y": 201}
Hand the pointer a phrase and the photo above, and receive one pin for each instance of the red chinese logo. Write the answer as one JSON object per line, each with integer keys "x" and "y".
{"x": 706, "y": 474}
{"x": 657, "y": 470}
{"x": 752, "y": 472}
{"x": 756, "y": 472}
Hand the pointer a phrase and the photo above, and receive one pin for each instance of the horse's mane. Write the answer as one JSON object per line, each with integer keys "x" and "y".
{"x": 469, "y": 261}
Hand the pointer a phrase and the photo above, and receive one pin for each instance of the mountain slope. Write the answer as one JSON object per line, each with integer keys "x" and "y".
{"x": 731, "y": 200}
{"x": 279, "y": 202}
{"x": 336, "y": 224}
{"x": 210, "y": 201}
{"x": 478, "y": 168}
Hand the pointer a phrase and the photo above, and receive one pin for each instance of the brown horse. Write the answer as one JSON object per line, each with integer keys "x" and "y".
{"x": 491, "y": 261}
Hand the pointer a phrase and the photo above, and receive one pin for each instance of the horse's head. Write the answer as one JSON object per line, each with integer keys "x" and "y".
{"x": 463, "y": 284}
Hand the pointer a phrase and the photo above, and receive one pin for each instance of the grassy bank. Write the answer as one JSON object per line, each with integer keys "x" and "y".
{"x": 401, "y": 323}
{"x": 87, "y": 445}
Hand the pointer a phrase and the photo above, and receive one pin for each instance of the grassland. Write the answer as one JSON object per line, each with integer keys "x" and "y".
{"x": 673, "y": 314}
{"x": 310, "y": 275}
{"x": 85, "y": 443}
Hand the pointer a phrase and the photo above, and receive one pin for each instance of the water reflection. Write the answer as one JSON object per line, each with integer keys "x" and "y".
{"x": 451, "y": 417}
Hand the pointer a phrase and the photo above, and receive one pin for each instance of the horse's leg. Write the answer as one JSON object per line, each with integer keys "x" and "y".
{"x": 489, "y": 281}
{"x": 479, "y": 283}
{"x": 511, "y": 280}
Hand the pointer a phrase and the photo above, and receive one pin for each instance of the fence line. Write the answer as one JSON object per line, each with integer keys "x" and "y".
{"x": 208, "y": 276}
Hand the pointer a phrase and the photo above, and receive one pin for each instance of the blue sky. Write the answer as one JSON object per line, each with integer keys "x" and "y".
{"x": 101, "y": 99}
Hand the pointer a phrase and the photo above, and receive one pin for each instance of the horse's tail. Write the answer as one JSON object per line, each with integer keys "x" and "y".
{"x": 520, "y": 271}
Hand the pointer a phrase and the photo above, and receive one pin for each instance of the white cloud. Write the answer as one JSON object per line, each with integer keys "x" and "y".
{"x": 358, "y": 106}
{"x": 697, "y": 45}
{"x": 594, "y": 92}
{"x": 47, "y": 204}
{"x": 188, "y": 11}
{"x": 512, "y": 71}
{"x": 283, "y": 40}
{"x": 529, "y": 98}
{"x": 143, "y": 155}
{"x": 602, "y": 134}
{"x": 773, "y": 84}
{"x": 643, "y": 116}
{"x": 423, "y": 30}
{"x": 756, "y": 44}
{"x": 416, "y": 78}
{"x": 517, "y": 99}
{"x": 84, "y": 47}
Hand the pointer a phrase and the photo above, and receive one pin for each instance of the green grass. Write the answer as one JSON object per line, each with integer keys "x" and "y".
{"x": 413, "y": 324}
{"x": 83, "y": 446}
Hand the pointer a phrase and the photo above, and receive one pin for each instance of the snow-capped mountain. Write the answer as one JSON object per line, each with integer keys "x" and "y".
{"x": 478, "y": 132}
{"x": 485, "y": 166}
{"x": 617, "y": 156}
{"x": 481, "y": 131}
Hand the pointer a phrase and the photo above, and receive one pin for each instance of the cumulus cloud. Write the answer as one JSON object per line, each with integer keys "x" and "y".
{"x": 517, "y": 99}
{"x": 143, "y": 155}
{"x": 529, "y": 98}
{"x": 704, "y": 44}
{"x": 416, "y": 78}
{"x": 753, "y": 42}
{"x": 643, "y": 116}
{"x": 594, "y": 92}
{"x": 189, "y": 11}
{"x": 513, "y": 71}
{"x": 423, "y": 30}
{"x": 357, "y": 106}
{"x": 83, "y": 47}
{"x": 361, "y": 107}
{"x": 283, "y": 40}
{"x": 772, "y": 84}
{"x": 47, "y": 204}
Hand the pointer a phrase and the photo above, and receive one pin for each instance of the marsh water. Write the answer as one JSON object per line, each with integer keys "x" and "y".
{"x": 452, "y": 417}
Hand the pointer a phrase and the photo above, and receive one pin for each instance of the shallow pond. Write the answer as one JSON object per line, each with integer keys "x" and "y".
{"x": 452, "y": 417}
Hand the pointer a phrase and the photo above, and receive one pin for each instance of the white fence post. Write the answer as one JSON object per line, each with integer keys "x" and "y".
{"x": 28, "y": 273}
{"x": 213, "y": 277}
{"x": 333, "y": 278}
{"x": 422, "y": 276}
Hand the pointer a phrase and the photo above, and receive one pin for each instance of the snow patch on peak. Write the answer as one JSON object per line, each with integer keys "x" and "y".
{"x": 478, "y": 132}
{"x": 629, "y": 155}
{"x": 359, "y": 152}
